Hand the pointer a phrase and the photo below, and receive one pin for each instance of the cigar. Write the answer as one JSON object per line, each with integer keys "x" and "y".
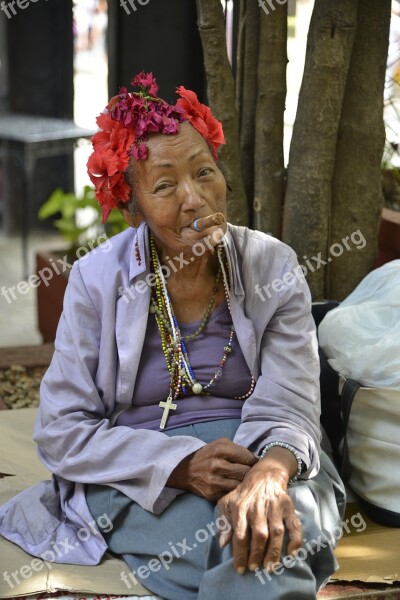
{"x": 201, "y": 224}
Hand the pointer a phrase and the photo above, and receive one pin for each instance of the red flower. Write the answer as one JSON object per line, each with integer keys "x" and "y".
{"x": 201, "y": 118}
{"x": 114, "y": 187}
{"x": 125, "y": 127}
{"x": 105, "y": 121}
{"x": 106, "y": 171}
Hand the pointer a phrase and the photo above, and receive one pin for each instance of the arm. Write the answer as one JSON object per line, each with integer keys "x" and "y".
{"x": 214, "y": 470}
{"x": 284, "y": 407}
{"x": 285, "y": 404}
{"x": 73, "y": 433}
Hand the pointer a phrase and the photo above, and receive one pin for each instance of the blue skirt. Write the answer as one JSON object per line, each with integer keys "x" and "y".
{"x": 176, "y": 554}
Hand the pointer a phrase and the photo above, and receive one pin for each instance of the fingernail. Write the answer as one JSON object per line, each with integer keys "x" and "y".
{"x": 270, "y": 567}
{"x": 240, "y": 570}
{"x": 253, "y": 566}
{"x": 222, "y": 540}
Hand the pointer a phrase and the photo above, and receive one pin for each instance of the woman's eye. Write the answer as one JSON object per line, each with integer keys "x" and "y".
{"x": 204, "y": 172}
{"x": 162, "y": 186}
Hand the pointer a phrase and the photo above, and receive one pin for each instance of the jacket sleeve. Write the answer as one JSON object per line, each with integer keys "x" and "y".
{"x": 285, "y": 404}
{"x": 74, "y": 436}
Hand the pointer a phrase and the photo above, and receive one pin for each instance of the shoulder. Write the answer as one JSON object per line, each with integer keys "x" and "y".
{"x": 106, "y": 257}
{"x": 102, "y": 271}
{"x": 260, "y": 249}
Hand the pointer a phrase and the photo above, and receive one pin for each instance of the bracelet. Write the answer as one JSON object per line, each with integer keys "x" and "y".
{"x": 292, "y": 450}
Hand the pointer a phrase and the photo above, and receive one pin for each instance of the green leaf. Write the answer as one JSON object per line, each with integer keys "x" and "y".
{"x": 53, "y": 205}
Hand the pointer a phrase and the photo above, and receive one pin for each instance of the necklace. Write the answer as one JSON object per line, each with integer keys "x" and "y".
{"x": 183, "y": 380}
{"x": 163, "y": 315}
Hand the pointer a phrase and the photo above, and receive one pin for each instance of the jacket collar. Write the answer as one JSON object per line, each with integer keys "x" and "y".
{"x": 141, "y": 241}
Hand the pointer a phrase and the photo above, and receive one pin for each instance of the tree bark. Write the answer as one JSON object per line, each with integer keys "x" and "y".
{"x": 269, "y": 123}
{"x": 249, "y": 99}
{"x": 356, "y": 190}
{"x": 240, "y": 57}
{"x": 221, "y": 97}
{"x": 313, "y": 148}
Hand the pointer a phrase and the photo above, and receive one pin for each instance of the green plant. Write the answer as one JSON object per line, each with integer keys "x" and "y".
{"x": 66, "y": 205}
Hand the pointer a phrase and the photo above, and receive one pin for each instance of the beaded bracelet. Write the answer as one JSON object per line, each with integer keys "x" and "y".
{"x": 292, "y": 450}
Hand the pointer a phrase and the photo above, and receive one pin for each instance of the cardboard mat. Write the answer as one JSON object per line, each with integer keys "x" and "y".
{"x": 367, "y": 552}
{"x": 19, "y": 462}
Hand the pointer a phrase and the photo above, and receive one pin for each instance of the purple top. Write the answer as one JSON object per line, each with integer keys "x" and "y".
{"x": 205, "y": 354}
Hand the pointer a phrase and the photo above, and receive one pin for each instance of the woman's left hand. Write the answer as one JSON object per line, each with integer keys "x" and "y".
{"x": 259, "y": 510}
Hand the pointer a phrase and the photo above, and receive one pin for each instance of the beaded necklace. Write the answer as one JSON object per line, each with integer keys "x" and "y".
{"x": 183, "y": 380}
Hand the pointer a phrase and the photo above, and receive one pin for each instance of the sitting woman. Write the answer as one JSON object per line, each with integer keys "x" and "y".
{"x": 181, "y": 407}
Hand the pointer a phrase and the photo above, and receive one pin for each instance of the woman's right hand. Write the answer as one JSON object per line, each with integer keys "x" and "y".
{"x": 214, "y": 470}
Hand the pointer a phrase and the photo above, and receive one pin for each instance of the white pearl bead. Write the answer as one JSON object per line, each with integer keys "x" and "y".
{"x": 197, "y": 388}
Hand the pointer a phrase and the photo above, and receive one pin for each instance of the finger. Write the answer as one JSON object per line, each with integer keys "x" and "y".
{"x": 295, "y": 532}
{"x": 238, "y": 454}
{"x": 214, "y": 219}
{"x": 225, "y": 534}
{"x": 230, "y": 470}
{"x": 222, "y": 486}
{"x": 275, "y": 541}
{"x": 259, "y": 537}
{"x": 240, "y": 540}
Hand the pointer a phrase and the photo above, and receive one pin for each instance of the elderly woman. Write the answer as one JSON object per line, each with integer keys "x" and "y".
{"x": 180, "y": 412}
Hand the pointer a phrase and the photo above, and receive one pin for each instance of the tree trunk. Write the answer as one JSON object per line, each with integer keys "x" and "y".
{"x": 221, "y": 97}
{"x": 356, "y": 191}
{"x": 269, "y": 159}
{"x": 249, "y": 99}
{"x": 240, "y": 57}
{"x": 313, "y": 149}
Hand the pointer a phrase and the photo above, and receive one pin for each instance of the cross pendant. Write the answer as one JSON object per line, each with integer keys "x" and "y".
{"x": 167, "y": 406}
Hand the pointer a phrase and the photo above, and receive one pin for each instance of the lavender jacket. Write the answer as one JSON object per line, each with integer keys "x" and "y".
{"x": 93, "y": 370}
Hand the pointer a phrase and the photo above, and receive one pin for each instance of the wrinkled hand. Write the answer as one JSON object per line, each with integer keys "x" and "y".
{"x": 214, "y": 470}
{"x": 258, "y": 511}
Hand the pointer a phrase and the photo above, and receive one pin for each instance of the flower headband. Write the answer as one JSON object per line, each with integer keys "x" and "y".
{"x": 125, "y": 126}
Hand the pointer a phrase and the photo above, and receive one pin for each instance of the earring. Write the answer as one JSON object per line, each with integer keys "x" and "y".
{"x": 137, "y": 253}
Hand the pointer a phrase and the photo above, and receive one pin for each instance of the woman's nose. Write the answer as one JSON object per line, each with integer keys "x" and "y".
{"x": 191, "y": 196}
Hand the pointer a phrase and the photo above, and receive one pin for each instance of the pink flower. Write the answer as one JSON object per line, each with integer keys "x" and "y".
{"x": 146, "y": 80}
{"x": 139, "y": 151}
{"x": 154, "y": 121}
{"x": 125, "y": 126}
{"x": 170, "y": 126}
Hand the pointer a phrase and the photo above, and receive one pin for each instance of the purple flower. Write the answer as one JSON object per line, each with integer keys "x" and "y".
{"x": 146, "y": 81}
{"x": 139, "y": 151}
{"x": 171, "y": 126}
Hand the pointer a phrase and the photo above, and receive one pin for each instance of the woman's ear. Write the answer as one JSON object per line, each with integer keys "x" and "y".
{"x": 132, "y": 220}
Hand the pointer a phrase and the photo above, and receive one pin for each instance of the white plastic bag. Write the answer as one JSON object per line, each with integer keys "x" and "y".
{"x": 362, "y": 334}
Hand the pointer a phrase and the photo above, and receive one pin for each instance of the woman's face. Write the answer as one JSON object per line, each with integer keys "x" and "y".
{"x": 178, "y": 183}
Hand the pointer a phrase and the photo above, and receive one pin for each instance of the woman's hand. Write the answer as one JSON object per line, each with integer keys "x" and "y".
{"x": 258, "y": 510}
{"x": 214, "y": 470}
